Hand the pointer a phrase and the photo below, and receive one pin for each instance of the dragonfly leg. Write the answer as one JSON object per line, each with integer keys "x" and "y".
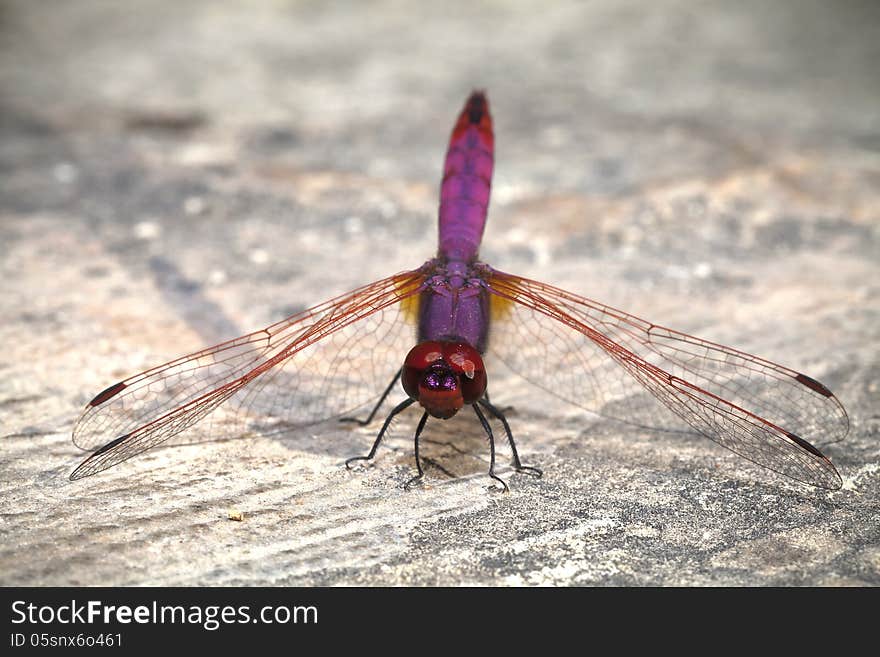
{"x": 527, "y": 469}
{"x": 397, "y": 409}
{"x": 418, "y": 477}
{"x": 488, "y": 429}
{"x": 378, "y": 404}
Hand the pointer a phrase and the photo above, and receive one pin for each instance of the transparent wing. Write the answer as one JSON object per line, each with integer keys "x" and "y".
{"x": 601, "y": 358}
{"x": 317, "y": 364}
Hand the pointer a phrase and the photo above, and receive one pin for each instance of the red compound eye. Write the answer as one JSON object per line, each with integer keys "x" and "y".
{"x": 417, "y": 361}
{"x": 467, "y": 362}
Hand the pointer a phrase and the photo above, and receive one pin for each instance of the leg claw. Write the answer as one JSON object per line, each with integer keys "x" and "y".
{"x": 494, "y": 488}
{"x": 349, "y": 463}
{"x": 537, "y": 473}
{"x": 415, "y": 481}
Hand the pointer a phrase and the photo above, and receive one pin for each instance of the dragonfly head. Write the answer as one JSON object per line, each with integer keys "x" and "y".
{"x": 443, "y": 376}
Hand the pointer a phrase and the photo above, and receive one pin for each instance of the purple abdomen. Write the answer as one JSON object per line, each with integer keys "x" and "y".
{"x": 467, "y": 180}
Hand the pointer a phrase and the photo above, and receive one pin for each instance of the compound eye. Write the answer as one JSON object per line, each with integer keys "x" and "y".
{"x": 466, "y": 361}
{"x": 419, "y": 358}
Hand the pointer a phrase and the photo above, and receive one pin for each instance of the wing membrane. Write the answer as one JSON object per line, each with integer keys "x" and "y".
{"x": 602, "y": 358}
{"x": 311, "y": 366}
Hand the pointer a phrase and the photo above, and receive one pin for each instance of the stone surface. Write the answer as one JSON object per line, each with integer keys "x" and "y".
{"x": 171, "y": 176}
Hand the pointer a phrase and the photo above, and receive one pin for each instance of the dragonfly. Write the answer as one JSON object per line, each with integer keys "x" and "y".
{"x": 442, "y": 319}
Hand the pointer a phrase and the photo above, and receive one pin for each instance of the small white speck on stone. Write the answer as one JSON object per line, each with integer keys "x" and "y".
{"x": 205, "y": 154}
{"x": 380, "y": 167}
{"x": 505, "y": 192}
{"x": 354, "y": 225}
{"x": 676, "y": 272}
{"x": 553, "y": 135}
{"x": 388, "y": 209}
{"x": 64, "y": 172}
{"x": 147, "y": 230}
{"x": 194, "y": 205}
{"x": 703, "y": 270}
{"x": 310, "y": 239}
{"x": 541, "y": 251}
{"x": 259, "y": 256}
{"x": 517, "y": 236}
{"x": 643, "y": 531}
{"x": 217, "y": 277}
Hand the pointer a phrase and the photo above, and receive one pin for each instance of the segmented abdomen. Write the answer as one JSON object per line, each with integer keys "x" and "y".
{"x": 467, "y": 180}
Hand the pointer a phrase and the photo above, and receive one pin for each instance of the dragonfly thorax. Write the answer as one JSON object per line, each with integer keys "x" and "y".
{"x": 443, "y": 376}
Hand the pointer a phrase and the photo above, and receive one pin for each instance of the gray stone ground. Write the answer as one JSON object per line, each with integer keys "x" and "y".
{"x": 173, "y": 174}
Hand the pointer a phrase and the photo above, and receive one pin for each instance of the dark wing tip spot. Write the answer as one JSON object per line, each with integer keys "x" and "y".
{"x": 113, "y": 443}
{"x": 830, "y": 478}
{"x": 104, "y": 395}
{"x": 79, "y": 473}
{"x": 807, "y": 446}
{"x": 812, "y": 384}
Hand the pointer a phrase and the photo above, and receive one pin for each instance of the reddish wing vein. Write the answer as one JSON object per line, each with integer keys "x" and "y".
{"x": 591, "y": 354}
{"x": 151, "y": 407}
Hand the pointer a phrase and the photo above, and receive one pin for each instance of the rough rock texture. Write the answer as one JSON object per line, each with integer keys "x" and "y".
{"x": 176, "y": 174}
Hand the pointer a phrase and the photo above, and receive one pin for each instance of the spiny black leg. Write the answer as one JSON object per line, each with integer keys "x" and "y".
{"x": 378, "y": 404}
{"x": 488, "y": 429}
{"x": 527, "y": 469}
{"x": 418, "y": 477}
{"x": 397, "y": 409}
